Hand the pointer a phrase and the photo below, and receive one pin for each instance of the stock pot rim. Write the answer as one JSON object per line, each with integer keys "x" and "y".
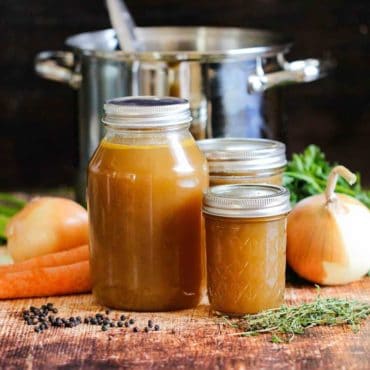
{"x": 246, "y": 43}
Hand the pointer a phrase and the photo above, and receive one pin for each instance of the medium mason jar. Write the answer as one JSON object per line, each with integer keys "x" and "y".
{"x": 145, "y": 187}
{"x": 246, "y": 247}
{"x": 244, "y": 161}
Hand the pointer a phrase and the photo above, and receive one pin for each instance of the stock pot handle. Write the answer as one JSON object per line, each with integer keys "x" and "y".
{"x": 57, "y": 66}
{"x": 299, "y": 71}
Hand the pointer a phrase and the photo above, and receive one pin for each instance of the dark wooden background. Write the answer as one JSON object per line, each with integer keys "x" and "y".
{"x": 38, "y": 140}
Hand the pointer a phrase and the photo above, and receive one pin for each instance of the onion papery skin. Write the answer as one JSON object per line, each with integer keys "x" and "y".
{"x": 329, "y": 243}
{"x": 46, "y": 225}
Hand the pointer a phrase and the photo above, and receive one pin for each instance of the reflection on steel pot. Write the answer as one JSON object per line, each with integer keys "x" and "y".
{"x": 225, "y": 73}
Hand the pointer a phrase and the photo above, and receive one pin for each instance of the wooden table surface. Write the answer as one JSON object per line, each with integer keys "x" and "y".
{"x": 190, "y": 339}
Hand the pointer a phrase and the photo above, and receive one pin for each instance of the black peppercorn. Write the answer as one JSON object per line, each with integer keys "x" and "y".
{"x": 156, "y": 327}
{"x": 120, "y": 324}
{"x": 150, "y": 323}
{"x": 146, "y": 329}
{"x": 123, "y": 317}
{"x": 127, "y": 324}
{"x": 104, "y": 328}
{"x": 131, "y": 321}
{"x": 93, "y": 321}
{"x": 135, "y": 329}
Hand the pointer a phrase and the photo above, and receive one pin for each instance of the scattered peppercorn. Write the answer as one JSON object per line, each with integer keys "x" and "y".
{"x": 42, "y": 319}
{"x": 93, "y": 321}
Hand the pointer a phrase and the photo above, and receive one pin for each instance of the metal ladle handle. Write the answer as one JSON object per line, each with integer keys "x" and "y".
{"x": 58, "y": 66}
{"x": 298, "y": 71}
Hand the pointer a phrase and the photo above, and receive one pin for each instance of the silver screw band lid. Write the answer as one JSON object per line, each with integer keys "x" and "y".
{"x": 246, "y": 201}
{"x": 233, "y": 155}
{"x": 146, "y": 112}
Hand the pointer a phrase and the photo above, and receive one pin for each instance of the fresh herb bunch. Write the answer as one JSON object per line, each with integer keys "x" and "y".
{"x": 9, "y": 206}
{"x": 285, "y": 322}
{"x": 307, "y": 173}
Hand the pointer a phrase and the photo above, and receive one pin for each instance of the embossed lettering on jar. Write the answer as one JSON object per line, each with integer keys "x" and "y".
{"x": 246, "y": 247}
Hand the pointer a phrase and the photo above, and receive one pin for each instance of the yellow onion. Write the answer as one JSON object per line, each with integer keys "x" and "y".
{"x": 328, "y": 235}
{"x": 46, "y": 225}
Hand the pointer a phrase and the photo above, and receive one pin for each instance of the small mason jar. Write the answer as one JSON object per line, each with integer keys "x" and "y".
{"x": 244, "y": 161}
{"x": 145, "y": 186}
{"x": 246, "y": 247}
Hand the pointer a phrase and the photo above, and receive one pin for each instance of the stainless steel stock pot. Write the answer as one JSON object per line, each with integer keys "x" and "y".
{"x": 225, "y": 73}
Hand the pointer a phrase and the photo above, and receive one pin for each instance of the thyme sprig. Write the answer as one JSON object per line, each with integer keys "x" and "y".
{"x": 287, "y": 321}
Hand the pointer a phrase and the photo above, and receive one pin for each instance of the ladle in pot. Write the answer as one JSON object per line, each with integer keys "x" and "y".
{"x": 124, "y": 25}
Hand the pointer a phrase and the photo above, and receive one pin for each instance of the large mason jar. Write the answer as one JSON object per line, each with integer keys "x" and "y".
{"x": 144, "y": 195}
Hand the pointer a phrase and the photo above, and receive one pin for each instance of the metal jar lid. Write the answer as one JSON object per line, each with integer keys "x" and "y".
{"x": 233, "y": 155}
{"x": 246, "y": 201}
{"x": 140, "y": 112}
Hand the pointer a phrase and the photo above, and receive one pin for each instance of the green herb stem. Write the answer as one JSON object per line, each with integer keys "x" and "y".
{"x": 287, "y": 321}
{"x": 307, "y": 174}
{"x": 3, "y": 222}
{"x": 12, "y": 200}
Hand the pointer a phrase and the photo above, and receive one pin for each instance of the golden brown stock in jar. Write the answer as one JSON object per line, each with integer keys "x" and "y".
{"x": 244, "y": 161}
{"x": 246, "y": 247}
{"x": 145, "y": 187}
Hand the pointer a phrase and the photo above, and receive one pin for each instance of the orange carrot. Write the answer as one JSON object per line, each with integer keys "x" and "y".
{"x": 49, "y": 260}
{"x": 46, "y": 281}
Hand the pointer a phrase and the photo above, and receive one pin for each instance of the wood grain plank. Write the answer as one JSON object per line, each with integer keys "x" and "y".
{"x": 188, "y": 339}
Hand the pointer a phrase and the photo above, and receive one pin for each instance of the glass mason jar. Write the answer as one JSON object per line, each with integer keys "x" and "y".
{"x": 244, "y": 161}
{"x": 145, "y": 187}
{"x": 246, "y": 247}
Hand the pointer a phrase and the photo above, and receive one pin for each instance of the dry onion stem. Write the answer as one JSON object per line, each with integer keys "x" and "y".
{"x": 287, "y": 321}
